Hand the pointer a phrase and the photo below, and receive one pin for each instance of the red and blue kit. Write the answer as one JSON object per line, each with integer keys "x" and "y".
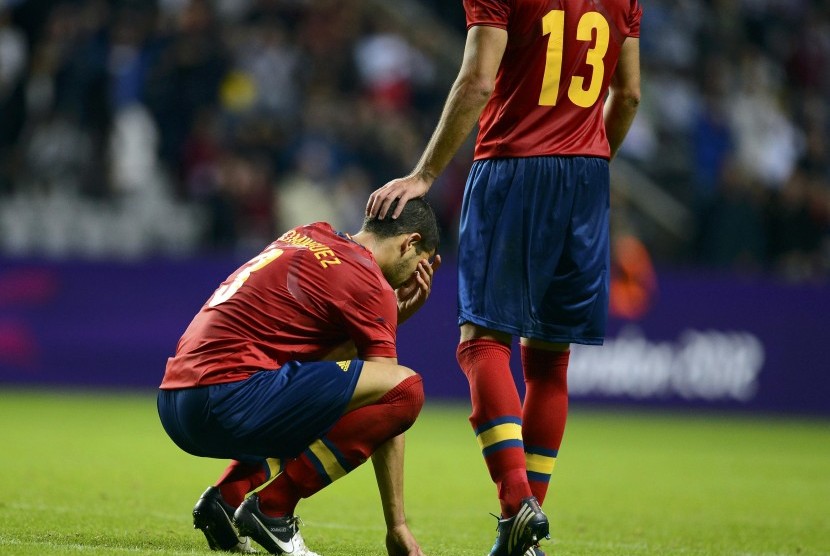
{"x": 308, "y": 292}
{"x": 554, "y": 74}
{"x": 250, "y": 379}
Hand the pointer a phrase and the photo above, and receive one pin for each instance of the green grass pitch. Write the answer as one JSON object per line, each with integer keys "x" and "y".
{"x": 93, "y": 473}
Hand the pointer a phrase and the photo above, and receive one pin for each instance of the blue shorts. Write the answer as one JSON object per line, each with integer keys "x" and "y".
{"x": 272, "y": 414}
{"x": 533, "y": 253}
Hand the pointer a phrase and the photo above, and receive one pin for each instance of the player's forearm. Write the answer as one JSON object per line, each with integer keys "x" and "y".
{"x": 464, "y": 105}
{"x": 388, "y": 461}
{"x": 620, "y": 110}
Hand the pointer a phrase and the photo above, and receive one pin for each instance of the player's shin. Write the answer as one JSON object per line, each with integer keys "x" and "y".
{"x": 349, "y": 443}
{"x": 496, "y": 418}
{"x": 241, "y": 478}
{"x": 544, "y": 413}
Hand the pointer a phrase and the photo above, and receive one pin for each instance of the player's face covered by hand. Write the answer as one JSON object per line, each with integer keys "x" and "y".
{"x": 404, "y": 268}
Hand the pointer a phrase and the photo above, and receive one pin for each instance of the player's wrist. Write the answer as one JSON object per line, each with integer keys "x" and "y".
{"x": 397, "y": 525}
{"x": 426, "y": 175}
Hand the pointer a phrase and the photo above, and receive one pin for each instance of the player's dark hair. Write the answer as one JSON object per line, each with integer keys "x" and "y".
{"x": 417, "y": 216}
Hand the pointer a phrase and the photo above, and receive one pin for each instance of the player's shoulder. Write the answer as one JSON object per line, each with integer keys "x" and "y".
{"x": 309, "y": 236}
{"x": 361, "y": 269}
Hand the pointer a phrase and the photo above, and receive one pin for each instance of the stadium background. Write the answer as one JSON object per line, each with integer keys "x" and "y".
{"x": 148, "y": 148}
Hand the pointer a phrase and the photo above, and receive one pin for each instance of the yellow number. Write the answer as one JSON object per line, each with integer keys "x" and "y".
{"x": 577, "y": 92}
{"x": 553, "y": 25}
{"x": 224, "y": 292}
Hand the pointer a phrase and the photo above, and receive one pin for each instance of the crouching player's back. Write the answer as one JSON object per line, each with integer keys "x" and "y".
{"x": 290, "y": 369}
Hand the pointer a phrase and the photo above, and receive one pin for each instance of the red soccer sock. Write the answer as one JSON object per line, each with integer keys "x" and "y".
{"x": 239, "y": 479}
{"x": 350, "y": 442}
{"x": 496, "y": 418}
{"x": 544, "y": 413}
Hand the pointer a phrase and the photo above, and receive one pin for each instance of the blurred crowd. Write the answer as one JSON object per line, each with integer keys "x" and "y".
{"x": 130, "y": 128}
{"x": 736, "y": 124}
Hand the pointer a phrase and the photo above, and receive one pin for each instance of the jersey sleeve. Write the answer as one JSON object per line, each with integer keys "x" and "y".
{"x": 491, "y": 13}
{"x": 372, "y": 321}
{"x": 634, "y": 18}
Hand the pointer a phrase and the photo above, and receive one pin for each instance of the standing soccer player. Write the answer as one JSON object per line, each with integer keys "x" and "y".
{"x": 265, "y": 375}
{"x": 554, "y": 86}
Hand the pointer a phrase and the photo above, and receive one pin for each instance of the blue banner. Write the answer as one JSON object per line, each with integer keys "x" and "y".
{"x": 705, "y": 340}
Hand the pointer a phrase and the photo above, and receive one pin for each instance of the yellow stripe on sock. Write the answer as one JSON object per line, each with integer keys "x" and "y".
{"x": 499, "y": 433}
{"x": 274, "y": 466}
{"x": 330, "y": 464}
{"x": 540, "y": 464}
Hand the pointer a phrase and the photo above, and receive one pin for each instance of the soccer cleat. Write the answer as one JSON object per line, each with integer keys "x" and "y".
{"x": 213, "y": 516}
{"x": 277, "y": 535}
{"x": 518, "y": 535}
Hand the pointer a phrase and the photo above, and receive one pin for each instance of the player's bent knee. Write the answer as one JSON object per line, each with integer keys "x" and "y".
{"x": 401, "y": 373}
{"x": 376, "y": 381}
{"x": 405, "y": 400}
{"x": 386, "y": 374}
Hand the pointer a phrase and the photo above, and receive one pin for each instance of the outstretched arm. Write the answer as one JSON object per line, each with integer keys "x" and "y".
{"x": 388, "y": 461}
{"x": 467, "y": 98}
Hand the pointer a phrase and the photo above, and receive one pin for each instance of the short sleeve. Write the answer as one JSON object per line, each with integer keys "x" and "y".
{"x": 492, "y": 13}
{"x": 635, "y": 15}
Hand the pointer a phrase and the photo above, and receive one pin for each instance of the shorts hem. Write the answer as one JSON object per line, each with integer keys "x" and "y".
{"x": 532, "y": 334}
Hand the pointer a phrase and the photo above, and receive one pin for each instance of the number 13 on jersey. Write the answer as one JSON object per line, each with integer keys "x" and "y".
{"x": 553, "y": 25}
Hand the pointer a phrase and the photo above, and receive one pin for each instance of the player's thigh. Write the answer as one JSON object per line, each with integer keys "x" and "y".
{"x": 278, "y": 413}
{"x": 547, "y": 346}
{"x": 376, "y": 379}
{"x": 471, "y": 331}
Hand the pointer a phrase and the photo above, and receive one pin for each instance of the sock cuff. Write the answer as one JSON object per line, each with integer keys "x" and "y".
{"x": 410, "y": 391}
{"x": 544, "y": 363}
{"x": 477, "y": 349}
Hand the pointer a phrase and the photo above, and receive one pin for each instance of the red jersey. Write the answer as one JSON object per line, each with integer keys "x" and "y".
{"x": 554, "y": 75}
{"x": 305, "y": 294}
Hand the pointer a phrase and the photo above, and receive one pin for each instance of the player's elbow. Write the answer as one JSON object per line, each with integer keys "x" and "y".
{"x": 629, "y": 96}
{"x": 484, "y": 87}
{"x": 476, "y": 88}
{"x": 622, "y": 104}
{"x": 632, "y": 99}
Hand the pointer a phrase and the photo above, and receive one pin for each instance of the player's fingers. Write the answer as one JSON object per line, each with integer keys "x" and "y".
{"x": 378, "y": 203}
{"x": 425, "y": 272}
{"x": 384, "y": 201}
{"x": 381, "y": 201}
{"x": 370, "y": 205}
{"x": 433, "y": 266}
{"x": 423, "y": 282}
{"x": 402, "y": 200}
{"x": 383, "y": 212}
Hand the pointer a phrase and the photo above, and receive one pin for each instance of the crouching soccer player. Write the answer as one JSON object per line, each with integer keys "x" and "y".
{"x": 265, "y": 375}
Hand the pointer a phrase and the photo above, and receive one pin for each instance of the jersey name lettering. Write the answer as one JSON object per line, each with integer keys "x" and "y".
{"x": 322, "y": 252}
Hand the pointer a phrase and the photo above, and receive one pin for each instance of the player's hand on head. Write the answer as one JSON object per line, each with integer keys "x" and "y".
{"x": 401, "y": 542}
{"x": 402, "y": 189}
